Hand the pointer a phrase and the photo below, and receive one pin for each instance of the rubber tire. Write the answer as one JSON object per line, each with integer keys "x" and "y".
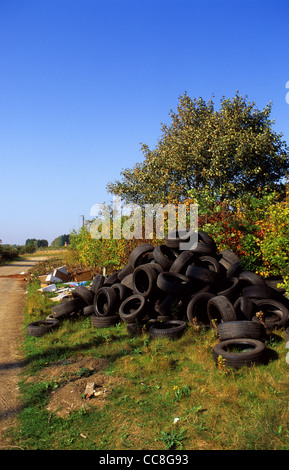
{"x": 229, "y": 256}
{"x": 240, "y": 329}
{"x": 239, "y": 359}
{"x": 105, "y": 302}
{"x": 128, "y": 269}
{"x": 68, "y": 308}
{"x": 164, "y": 256}
{"x": 133, "y": 308}
{"x": 198, "y": 308}
{"x": 244, "y": 307}
{"x": 258, "y": 292}
{"x": 221, "y": 309}
{"x": 172, "y": 329}
{"x": 88, "y": 310}
{"x": 202, "y": 274}
{"x": 145, "y": 279}
{"x": 41, "y": 327}
{"x": 210, "y": 263}
{"x": 97, "y": 282}
{"x": 182, "y": 261}
{"x": 247, "y": 278}
{"x": 279, "y": 310}
{"x": 104, "y": 322}
{"x": 138, "y": 253}
{"x": 174, "y": 283}
{"x": 83, "y": 293}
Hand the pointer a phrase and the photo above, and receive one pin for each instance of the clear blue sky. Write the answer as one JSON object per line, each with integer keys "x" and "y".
{"x": 84, "y": 82}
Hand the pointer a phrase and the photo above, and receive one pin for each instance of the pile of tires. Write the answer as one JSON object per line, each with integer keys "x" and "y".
{"x": 164, "y": 289}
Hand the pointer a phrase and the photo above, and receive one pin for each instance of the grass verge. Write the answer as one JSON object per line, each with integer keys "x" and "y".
{"x": 154, "y": 394}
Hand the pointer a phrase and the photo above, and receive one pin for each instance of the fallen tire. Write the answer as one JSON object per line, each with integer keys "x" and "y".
{"x": 88, "y": 310}
{"x": 41, "y": 327}
{"x": 104, "y": 322}
{"x": 239, "y": 352}
{"x": 180, "y": 239}
{"x": 221, "y": 309}
{"x": 240, "y": 329}
{"x": 68, "y": 308}
{"x": 274, "y": 313}
{"x": 172, "y": 329}
{"x": 83, "y": 293}
{"x": 133, "y": 309}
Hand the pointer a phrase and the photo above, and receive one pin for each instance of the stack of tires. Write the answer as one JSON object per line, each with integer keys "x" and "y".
{"x": 163, "y": 288}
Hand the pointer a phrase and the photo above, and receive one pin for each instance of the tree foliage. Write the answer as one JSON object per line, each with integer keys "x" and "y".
{"x": 225, "y": 152}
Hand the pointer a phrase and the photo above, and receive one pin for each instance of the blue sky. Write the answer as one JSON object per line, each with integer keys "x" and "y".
{"x": 84, "y": 82}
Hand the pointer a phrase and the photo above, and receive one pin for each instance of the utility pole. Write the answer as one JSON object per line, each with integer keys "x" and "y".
{"x": 82, "y": 220}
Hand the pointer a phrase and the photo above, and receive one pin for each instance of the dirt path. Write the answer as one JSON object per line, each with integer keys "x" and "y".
{"x": 12, "y": 302}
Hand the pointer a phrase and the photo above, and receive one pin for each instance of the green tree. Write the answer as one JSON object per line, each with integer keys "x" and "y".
{"x": 226, "y": 153}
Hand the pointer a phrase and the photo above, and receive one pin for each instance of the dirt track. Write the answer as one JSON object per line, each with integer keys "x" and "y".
{"x": 12, "y": 302}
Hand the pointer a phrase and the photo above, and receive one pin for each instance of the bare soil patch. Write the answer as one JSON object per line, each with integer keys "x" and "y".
{"x": 80, "y": 383}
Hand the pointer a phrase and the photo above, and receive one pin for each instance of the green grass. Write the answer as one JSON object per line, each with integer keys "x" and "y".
{"x": 165, "y": 394}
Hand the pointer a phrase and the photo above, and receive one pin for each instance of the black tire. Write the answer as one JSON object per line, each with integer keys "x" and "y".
{"x": 210, "y": 263}
{"x": 128, "y": 269}
{"x": 221, "y": 309}
{"x": 229, "y": 256}
{"x": 248, "y": 278}
{"x": 164, "y": 256}
{"x": 88, "y": 310}
{"x": 128, "y": 281}
{"x": 182, "y": 261}
{"x": 197, "y": 308}
{"x": 244, "y": 307}
{"x": 105, "y": 302}
{"x": 139, "y": 253}
{"x": 174, "y": 283}
{"x": 83, "y": 293}
{"x": 206, "y": 238}
{"x": 110, "y": 280}
{"x": 258, "y": 292}
{"x": 133, "y": 309}
{"x": 68, "y": 308}
{"x": 104, "y": 322}
{"x": 240, "y": 358}
{"x": 275, "y": 314}
{"x": 240, "y": 329}
{"x": 41, "y": 327}
{"x": 97, "y": 282}
{"x": 145, "y": 279}
{"x": 172, "y": 329}
{"x": 122, "y": 291}
{"x": 229, "y": 288}
{"x": 205, "y": 275}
